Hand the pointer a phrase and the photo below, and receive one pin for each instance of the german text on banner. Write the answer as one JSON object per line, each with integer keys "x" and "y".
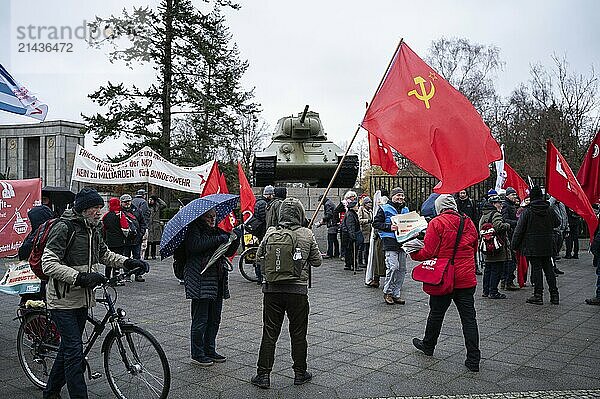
{"x": 431, "y": 123}
{"x": 145, "y": 166}
{"x": 589, "y": 173}
{"x": 17, "y": 197}
{"x": 19, "y": 279}
{"x": 562, "y": 185}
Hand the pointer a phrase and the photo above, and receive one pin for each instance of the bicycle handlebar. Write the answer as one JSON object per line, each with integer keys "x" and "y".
{"x": 111, "y": 282}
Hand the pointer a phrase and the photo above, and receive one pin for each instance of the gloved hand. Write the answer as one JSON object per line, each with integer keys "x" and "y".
{"x": 89, "y": 280}
{"x": 131, "y": 264}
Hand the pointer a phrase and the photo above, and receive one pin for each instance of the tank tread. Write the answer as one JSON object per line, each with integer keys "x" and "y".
{"x": 264, "y": 171}
{"x": 348, "y": 173}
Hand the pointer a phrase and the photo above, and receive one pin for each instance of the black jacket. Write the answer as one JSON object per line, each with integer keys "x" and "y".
{"x": 351, "y": 225}
{"x": 389, "y": 244}
{"x": 509, "y": 215}
{"x": 113, "y": 235}
{"x": 533, "y": 234}
{"x": 36, "y": 215}
{"x": 260, "y": 214}
{"x": 467, "y": 207}
{"x": 200, "y": 243}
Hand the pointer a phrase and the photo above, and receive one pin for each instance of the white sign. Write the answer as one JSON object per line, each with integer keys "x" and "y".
{"x": 19, "y": 279}
{"x": 145, "y": 166}
{"x": 409, "y": 225}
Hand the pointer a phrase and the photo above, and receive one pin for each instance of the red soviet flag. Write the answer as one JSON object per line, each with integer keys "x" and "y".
{"x": 562, "y": 185}
{"x": 429, "y": 122}
{"x": 212, "y": 183}
{"x": 247, "y": 197}
{"x": 381, "y": 154}
{"x": 588, "y": 175}
{"x": 515, "y": 181}
{"x": 230, "y": 220}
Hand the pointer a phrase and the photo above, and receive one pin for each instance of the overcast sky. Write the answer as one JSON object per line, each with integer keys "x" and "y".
{"x": 329, "y": 54}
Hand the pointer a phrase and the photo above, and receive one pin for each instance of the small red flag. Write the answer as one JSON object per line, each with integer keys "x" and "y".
{"x": 515, "y": 181}
{"x": 588, "y": 175}
{"x": 230, "y": 220}
{"x": 214, "y": 185}
{"x": 247, "y": 197}
{"x": 431, "y": 123}
{"x": 381, "y": 154}
{"x": 562, "y": 185}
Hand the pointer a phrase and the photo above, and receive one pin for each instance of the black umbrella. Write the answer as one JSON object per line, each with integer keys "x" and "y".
{"x": 59, "y": 197}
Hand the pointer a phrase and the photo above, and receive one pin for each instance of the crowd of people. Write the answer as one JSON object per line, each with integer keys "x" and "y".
{"x": 499, "y": 232}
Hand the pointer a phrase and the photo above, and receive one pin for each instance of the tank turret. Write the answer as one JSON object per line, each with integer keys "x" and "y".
{"x": 301, "y": 153}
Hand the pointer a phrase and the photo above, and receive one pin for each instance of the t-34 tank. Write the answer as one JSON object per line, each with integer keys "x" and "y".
{"x": 301, "y": 153}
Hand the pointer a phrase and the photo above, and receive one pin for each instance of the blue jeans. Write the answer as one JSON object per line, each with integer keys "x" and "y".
{"x": 68, "y": 366}
{"x": 491, "y": 277}
{"x": 508, "y": 274}
{"x": 395, "y": 271}
{"x": 206, "y": 318}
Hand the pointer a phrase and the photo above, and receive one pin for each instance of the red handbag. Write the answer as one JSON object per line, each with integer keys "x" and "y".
{"x": 437, "y": 275}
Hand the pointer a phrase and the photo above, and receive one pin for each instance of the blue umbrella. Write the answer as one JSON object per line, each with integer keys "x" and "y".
{"x": 428, "y": 207}
{"x": 174, "y": 232}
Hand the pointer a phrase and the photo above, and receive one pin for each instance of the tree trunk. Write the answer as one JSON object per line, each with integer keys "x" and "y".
{"x": 165, "y": 138}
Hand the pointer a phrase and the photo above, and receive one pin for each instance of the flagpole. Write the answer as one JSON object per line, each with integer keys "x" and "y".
{"x": 339, "y": 166}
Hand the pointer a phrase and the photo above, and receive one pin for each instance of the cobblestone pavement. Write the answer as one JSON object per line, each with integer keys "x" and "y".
{"x": 360, "y": 347}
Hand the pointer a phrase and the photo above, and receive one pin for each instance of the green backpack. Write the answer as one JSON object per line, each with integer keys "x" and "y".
{"x": 283, "y": 260}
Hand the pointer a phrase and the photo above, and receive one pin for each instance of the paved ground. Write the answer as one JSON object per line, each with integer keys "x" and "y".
{"x": 360, "y": 347}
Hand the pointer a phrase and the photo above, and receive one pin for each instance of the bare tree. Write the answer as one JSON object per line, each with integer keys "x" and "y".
{"x": 253, "y": 135}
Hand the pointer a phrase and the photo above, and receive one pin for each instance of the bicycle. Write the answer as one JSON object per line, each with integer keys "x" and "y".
{"x": 134, "y": 362}
{"x": 247, "y": 261}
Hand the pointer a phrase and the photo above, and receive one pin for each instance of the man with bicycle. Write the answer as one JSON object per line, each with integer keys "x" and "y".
{"x": 73, "y": 254}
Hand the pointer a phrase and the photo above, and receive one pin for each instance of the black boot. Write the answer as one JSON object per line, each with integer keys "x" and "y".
{"x": 554, "y": 298}
{"x": 302, "y": 377}
{"x": 261, "y": 381}
{"x": 536, "y": 300}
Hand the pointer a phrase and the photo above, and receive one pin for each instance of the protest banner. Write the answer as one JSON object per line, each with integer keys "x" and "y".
{"x": 16, "y": 199}
{"x": 145, "y": 166}
{"x": 19, "y": 279}
{"x": 409, "y": 225}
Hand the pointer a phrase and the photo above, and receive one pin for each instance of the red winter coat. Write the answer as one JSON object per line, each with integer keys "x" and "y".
{"x": 439, "y": 243}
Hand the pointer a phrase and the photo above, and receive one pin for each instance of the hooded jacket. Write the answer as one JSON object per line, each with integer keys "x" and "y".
{"x": 114, "y": 237}
{"x": 37, "y": 216}
{"x": 87, "y": 251}
{"x": 534, "y": 231}
{"x": 291, "y": 216}
{"x": 439, "y": 240}
{"x": 491, "y": 214}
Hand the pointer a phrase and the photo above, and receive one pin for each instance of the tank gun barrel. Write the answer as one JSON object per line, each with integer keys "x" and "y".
{"x": 304, "y": 114}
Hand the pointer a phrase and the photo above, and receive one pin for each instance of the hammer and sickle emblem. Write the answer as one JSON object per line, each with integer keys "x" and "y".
{"x": 423, "y": 96}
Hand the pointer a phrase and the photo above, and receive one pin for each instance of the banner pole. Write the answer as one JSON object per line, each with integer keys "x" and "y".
{"x": 339, "y": 166}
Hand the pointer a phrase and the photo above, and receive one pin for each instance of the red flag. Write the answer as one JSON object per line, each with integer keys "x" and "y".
{"x": 515, "y": 181}
{"x": 230, "y": 220}
{"x": 214, "y": 185}
{"x": 247, "y": 198}
{"x": 431, "y": 123}
{"x": 562, "y": 185}
{"x": 381, "y": 154}
{"x": 588, "y": 175}
{"x": 17, "y": 197}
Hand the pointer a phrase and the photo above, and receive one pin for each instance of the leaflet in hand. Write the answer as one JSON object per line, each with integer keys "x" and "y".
{"x": 409, "y": 226}
{"x": 413, "y": 245}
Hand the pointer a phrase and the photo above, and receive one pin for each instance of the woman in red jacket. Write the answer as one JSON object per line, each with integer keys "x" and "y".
{"x": 439, "y": 243}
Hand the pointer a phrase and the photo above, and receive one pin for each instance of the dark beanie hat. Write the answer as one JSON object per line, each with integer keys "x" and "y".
{"x": 510, "y": 191}
{"x": 396, "y": 190}
{"x": 280, "y": 192}
{"x": 87, "y": 198}
{"x": 535, "y": 193}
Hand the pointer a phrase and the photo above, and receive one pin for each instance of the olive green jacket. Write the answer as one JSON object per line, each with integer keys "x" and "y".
{"x": 86, "y": 252}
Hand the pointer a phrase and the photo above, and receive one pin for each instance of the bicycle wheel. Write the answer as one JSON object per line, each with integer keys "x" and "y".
{"x": 247, "y": 262}
{"x": 148, "y": 374}
{"x": 37, "y": 344}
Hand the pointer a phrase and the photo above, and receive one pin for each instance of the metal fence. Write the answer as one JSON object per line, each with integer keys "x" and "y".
{"x": 418, "y": 188}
